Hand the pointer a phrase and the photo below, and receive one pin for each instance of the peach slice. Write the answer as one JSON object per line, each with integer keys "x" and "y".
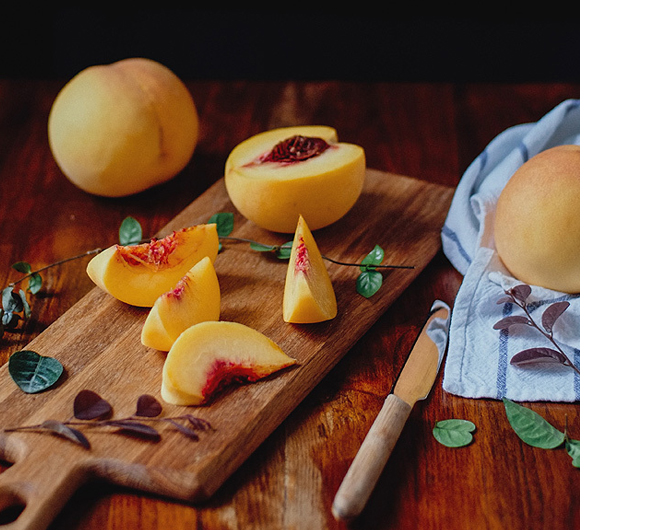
{"x": 275, "y": 176}
{"x": 211, "y": 355}
{"x": 194, "y": 299}
{"x": 139, "y": 274}
{"x": 308, "y": 292}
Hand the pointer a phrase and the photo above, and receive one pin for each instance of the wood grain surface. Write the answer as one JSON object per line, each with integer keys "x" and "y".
{"x": 428, "y": 131}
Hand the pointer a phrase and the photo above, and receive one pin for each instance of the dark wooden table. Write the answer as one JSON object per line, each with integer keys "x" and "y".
{"x": 427, "y": 131}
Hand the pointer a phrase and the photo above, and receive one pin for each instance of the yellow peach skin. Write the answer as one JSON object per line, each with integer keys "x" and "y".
{"x": 210, "y": 355}
{"x": 139, "y": 274}
{"x": 273, "y": 191}
{"x": 537, "y": 220}
{"x": 194, "y": 299}
{"x": 118, "y": 129}
{"x": 308, "y": 292}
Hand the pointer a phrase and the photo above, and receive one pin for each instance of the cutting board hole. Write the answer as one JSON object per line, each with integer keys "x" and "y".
{"x": 11, "y": 507}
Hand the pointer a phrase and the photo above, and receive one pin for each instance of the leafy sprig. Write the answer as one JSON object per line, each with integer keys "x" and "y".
{"x": 535, "y": 431}
{"x": 91, "y": 410}
{"x": 14, "y": 301}
{"x": 368, "y": 282}
{"x": 518, "y": 295}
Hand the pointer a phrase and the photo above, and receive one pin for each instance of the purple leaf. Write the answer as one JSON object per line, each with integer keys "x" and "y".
{"x": 507, "y": 322}
{"x": 148, "y": 407}
{"x": 90, "y": 406}
{"x": 182, "y": 428}
{"x": 197, "y": 423}
{"x": 521, "y": 292}
{"x": 71, "y": 434}
{"x": 538, "y": 355}
{"x": 134, "y": 427}
{"x": 552, "y": 313}
{"x": 505, "y": 300}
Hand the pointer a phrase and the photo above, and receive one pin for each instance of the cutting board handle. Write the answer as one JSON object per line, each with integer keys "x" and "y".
{"x": 36, "y": 487}
{"x": 371, "y": 458}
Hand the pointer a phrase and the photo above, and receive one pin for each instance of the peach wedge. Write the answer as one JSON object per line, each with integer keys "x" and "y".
{"x": 139, "y": 274}
{"x": 194, "y": 299}
{"x": 275, "y": 176}
{"x": 308, "y": 292}
{"x": 212, "y": 355}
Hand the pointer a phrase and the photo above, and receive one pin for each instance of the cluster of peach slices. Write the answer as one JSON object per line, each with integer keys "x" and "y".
{"x": 176, "y": 278}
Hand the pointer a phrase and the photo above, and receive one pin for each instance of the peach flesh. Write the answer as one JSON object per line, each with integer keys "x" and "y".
{"x": 275, "y": 176}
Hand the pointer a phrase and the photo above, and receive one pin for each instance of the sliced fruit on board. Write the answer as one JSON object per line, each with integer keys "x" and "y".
{"x": 212, "y": 355}
{"x": 308, "y": 292}
{"x": 195, "y": 298}
{"x": 139, "y": 274}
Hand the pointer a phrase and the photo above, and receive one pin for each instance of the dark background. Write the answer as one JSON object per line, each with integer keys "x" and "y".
{"x": 304, "y": 44}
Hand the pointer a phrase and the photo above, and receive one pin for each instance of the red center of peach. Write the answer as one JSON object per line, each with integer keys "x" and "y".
{"x": 223, "y": 373}
{"x": 302, "y": 262}
{"x": 296, "y": 149}
{"x": 155, "y": 253}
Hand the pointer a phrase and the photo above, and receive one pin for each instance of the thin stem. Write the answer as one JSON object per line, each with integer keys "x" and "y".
{"x": 72, "y": 258}
{"x": 369, "y": 266}
{"x": 243, "y": 240}
{"x": 549, "y": 336}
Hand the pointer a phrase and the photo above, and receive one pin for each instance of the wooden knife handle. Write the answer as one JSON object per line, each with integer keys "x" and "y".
{"x": 371, "y": 458}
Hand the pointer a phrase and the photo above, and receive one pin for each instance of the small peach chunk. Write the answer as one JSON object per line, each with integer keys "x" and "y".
{"x": 211, "y": 355}
{"x": 308, "y": 291}
{"x": 275, "y": 176}
{"x": 537, "y": 220}
{"x": 194, "y": 299}
{"x": 118, "y": 129}
{"x": 139, "y": 274}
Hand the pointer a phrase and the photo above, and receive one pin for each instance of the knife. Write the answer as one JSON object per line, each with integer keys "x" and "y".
{"x": 413, "y": 384}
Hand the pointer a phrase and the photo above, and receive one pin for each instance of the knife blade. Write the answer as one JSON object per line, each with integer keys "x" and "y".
{"x": 414, "y": 383}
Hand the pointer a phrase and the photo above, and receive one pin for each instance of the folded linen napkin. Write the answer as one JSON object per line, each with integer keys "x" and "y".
{"x": 477, "y": 365}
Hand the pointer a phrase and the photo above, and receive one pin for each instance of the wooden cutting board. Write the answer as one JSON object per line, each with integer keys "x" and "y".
{"x": 98, "y": 342}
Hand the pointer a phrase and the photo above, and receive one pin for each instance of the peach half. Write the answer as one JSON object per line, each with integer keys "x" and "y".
{"x": 212, "y": 355}
{"x": 277, "y": 175}
{"x": 139, "y": 274}
{"x": 308, "y": 292}
{"x": 194, "y": 299}
{"x": 118, "y": 129}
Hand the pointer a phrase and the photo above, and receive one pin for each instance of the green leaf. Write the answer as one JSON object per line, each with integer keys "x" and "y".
{"x": 224, "y": 222}
{"x": 531, "y": 428}
{"x": 375, "y": 257}
{"x": 368, "y": 283}
{"x": 34, "y": 284}
{"x": 26, "y": 306}
{"x": 260, "y": 247}
{"x": 22, "y": 266}
{"x": 8, "y": 319}
{"x": 573, "y": 448}
{"x": 284, "y": 250}
{"x": 454, "y": 433}
{"x": 11, "y": 301}
{"x": 33, "y": 372}
{"x": 130, "y": 232}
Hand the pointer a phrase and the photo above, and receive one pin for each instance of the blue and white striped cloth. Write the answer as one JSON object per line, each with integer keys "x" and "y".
{"x": 477, "y": 364}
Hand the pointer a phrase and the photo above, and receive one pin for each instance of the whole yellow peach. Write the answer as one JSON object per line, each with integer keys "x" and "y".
{"x": 537, "y": 220}
{"x": 118, "y": 129}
